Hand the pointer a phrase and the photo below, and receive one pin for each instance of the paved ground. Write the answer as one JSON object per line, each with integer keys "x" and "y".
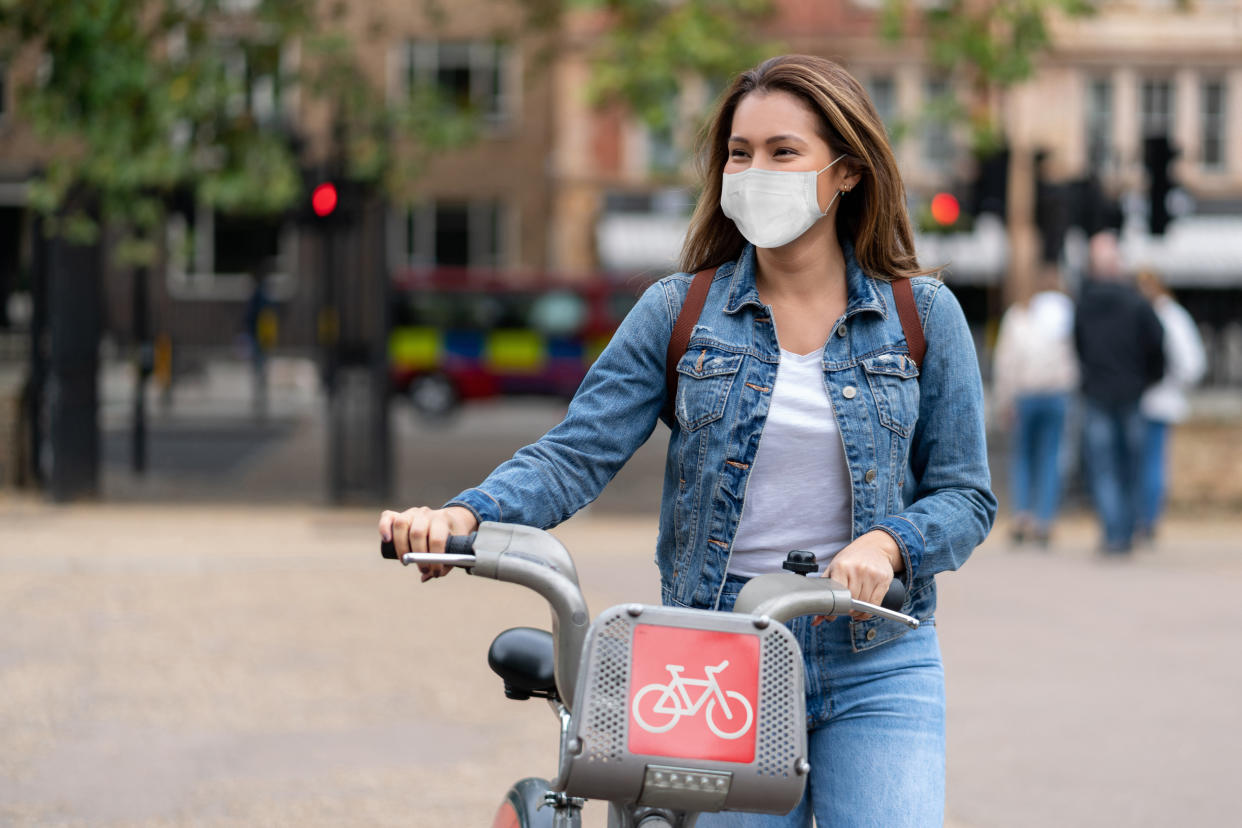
{"x": 226, "y": 665}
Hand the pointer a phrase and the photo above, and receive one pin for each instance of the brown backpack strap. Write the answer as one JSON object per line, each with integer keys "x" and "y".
{"x": 682, "y": 328}
{"x": 909, "y": 315}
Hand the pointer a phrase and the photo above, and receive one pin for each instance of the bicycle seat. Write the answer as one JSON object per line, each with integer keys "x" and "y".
{"x": 523, "y": 657}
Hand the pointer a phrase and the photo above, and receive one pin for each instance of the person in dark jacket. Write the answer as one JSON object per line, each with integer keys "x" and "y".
{"x": 1120, "y": 347}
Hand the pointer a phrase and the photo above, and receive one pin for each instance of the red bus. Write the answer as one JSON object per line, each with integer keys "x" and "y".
{"x": 462, "y": 334}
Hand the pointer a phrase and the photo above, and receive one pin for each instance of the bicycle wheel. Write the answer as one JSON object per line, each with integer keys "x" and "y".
{"x": 648, "y": 717}
{"x": 520, "y": 808}
{"x": 741, "y": 706}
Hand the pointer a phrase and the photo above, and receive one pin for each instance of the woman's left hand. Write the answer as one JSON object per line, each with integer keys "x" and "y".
{"x": 866, "y": 568}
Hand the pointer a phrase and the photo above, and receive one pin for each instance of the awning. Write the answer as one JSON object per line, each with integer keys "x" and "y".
{"x": 1196, "y": 251}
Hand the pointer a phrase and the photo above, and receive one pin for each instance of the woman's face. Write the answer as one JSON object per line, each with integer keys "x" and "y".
{"x": 777, "y": 131}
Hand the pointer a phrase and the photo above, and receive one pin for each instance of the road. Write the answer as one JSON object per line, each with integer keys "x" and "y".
{"x": 231, "y": 665}
{"x": 207, "y": 446}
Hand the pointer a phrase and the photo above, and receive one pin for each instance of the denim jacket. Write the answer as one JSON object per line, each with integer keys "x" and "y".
{"x": 913, "y": 439}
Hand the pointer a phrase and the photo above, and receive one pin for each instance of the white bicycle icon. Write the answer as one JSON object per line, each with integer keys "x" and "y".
{"x": 672, "y": 700}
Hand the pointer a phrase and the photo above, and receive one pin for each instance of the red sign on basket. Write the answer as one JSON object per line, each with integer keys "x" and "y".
{"x": 694, "y": 694}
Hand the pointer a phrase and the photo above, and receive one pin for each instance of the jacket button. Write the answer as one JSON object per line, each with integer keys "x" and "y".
{"x": 849, "y": 392}
{"x": 841, "y": 329}
{"x": 869, "y": 476}
{"x": 871, "y": 634}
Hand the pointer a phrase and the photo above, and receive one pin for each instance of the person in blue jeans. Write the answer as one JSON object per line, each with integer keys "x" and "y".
{"x": 1035, "y": 371}
{"x": 1120, "y": 347}
{"x": 800, "y": 422}
{"x": 1164, "y": 404}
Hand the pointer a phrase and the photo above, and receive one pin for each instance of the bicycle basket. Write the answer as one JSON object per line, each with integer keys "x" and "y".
{"x": 687, "y": 709}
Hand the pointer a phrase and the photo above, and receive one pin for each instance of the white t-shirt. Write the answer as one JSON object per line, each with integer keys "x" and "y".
{"x": 1035, "y": 349}
{"x": 1184, "y": 364}
{"x": 798, "y": 495}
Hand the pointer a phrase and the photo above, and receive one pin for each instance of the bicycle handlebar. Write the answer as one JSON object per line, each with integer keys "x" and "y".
{"x": 784, "y": 596}
{"x": 457, "y": 545}
{"x": 531, "y": 558}
{"x": 781, "y": 596}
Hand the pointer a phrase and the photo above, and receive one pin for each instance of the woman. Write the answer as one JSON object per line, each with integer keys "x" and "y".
{"x": 1164, "y": 404}
{"x": 1035, "y": 373}
{"x": 875, "y": 464}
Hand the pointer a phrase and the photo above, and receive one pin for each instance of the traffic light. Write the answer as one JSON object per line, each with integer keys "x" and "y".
{"x": 324, "y": 199}
{"x": 1157, "y": 154}
{"x": 945, "y": 209}
{"x": 329, "y": 199}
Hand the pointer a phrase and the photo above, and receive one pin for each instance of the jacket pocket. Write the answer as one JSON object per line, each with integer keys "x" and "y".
{"x": 705, "y": 377}
{"x": 894, "y": 381}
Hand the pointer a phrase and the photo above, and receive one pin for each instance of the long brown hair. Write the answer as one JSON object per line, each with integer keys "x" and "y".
{"x": 874, "y": 214}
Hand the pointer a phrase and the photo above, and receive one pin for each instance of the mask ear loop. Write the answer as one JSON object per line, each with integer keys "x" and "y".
{"x": 833, "y": 161}
{"x": 834, "y": 195}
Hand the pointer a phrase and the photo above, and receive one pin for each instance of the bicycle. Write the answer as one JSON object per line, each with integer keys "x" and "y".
{"x": 663, "y": 773}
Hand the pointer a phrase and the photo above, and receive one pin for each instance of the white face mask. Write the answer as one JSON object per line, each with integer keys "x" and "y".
{"x": 771, "y": 208}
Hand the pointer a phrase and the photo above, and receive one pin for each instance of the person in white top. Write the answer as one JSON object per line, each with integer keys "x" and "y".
{"x": 1165, "y": 404}
{"x": 1034, "y": 374}
{"x": 799, "y": 469}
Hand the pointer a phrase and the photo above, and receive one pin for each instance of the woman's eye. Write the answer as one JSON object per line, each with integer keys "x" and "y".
{"x": 783, "y": 151}
{"x": 737, "y": 153}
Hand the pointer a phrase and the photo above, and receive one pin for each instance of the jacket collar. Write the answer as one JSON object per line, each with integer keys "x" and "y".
{"x": 864, "y": 293}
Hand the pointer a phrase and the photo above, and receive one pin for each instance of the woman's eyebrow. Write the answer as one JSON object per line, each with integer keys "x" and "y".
{"x": 775, "y": 139}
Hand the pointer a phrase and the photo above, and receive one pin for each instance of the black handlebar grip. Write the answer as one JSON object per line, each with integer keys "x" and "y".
{"x": 456, "y": 545}
{"x": 895, "y": 597}
{"x": 460, "y": 544}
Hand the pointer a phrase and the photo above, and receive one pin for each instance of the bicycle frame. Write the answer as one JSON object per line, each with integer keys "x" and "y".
{"x": 648, "y": 778}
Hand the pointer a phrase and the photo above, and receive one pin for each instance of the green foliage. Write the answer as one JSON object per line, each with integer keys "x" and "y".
{"x": 1000, "y": 40}
{"x": 143, "y": 101}
{"x": 651, "y": 46}
{"x": 992, "y": 43}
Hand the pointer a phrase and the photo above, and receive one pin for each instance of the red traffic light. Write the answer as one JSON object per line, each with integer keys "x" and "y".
{"x": 945, "y": 209}
{"x": 323, "y": 199}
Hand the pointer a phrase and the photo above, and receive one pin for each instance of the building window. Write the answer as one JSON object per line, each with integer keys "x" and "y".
{"x": 253, "y": 73}
{"x": 455, "y": 234}
{"x": 1099, "y": 121}
{"x": 937, "y": 136}
{"x": 883, "y": 92}
{"x": 1156, "y": 108}
{"x": 471, "y": 75}
{"x": 663, "y": 156}
{"x": 245, "y": 244}
{"x": 1212, "y": 141}
{"x": 213, "y": 256}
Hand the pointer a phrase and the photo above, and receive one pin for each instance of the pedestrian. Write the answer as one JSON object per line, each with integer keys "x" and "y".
{"x": 800, "y": 421}
{"x": 1120, "y": 348}
{"x": 259, "y": 330}
{"x": 1035, "y": 373}
{"x": 1164, "y": 404}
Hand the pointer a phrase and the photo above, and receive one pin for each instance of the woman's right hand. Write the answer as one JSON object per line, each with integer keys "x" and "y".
{"x": 422, "y": 529}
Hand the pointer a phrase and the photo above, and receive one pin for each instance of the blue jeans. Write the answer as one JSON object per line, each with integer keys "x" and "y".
{"x": 1155, "y": 444}
{"x": 875, "y": 731}
{"x": 1112, "y": 438}
{"x": 1035, "y": 468}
